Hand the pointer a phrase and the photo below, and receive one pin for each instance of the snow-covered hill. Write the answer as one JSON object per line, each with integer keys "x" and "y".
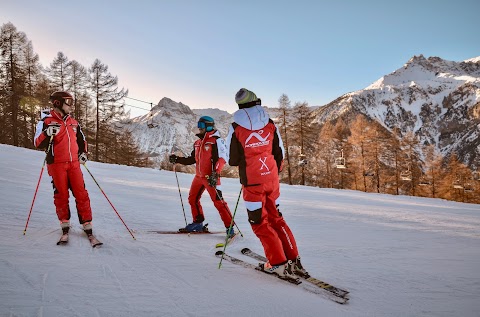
{"x": 398, "y": 255}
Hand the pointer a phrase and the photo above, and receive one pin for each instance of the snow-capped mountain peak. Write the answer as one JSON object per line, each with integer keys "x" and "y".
{"x": 438, "y": 100}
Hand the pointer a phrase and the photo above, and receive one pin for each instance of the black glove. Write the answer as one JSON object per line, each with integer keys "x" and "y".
{"x": 213, "y": 179}
{"x": 173, "y": 158}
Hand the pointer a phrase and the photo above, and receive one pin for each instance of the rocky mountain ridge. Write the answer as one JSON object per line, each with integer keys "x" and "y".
{"x": 438, "y": 100}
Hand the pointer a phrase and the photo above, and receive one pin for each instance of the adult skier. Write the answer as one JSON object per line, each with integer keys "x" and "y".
{"x": 254, "y": 145}
{"x": 210, "y": 155}
{"x": 67, "y": 151}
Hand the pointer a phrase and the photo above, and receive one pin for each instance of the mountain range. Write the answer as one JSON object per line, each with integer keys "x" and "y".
{"x": 438, "y": 100}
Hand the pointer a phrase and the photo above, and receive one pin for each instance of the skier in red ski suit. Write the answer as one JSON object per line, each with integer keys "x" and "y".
{"x": 255, "y": 146}
{"x": 67, "y": 151}
{"x": 210, "y": 155}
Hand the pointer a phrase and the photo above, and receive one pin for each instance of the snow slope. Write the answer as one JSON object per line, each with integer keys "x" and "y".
{"x": 398, "y": 255}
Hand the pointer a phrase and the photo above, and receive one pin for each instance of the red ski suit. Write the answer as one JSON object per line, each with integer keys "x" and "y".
{"x": 255, "y": 146}
{"x": 63, "y": 166}
{"x": 209, "y": 154}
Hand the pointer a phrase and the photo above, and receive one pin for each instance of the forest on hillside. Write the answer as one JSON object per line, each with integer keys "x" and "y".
{"x": 25, "y": 87}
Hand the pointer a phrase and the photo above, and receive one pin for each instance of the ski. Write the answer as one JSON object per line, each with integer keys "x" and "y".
{"x": 230, "y": 239}
{"x": 181, "y": 232}
{"x": 94, "y": 241}
{"x": 63, "y": 239}
{"x": 253, "y": 266}
{"x": 306, "y": 286}
{"x": 310, "y": 279}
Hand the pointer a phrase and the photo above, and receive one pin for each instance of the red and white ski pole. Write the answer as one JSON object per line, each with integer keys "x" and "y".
{"x": 129, "y": 231}
{"x": 38, "y": 183}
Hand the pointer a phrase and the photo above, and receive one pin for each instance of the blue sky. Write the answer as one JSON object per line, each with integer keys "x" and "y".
{"x": 201, "y": 52}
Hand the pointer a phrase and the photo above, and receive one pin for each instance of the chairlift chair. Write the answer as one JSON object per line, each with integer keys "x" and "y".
{"x": 457, "y": 185}
{"x": 302, "y": 160}
{"x": 340, "y": 162}
{"x": 406, "y": 175}
{"x": 424, "y": 181}
{"x": 150, "y": 123}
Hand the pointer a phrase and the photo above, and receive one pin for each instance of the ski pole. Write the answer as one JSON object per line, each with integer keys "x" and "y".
{"x": 226, "y": 207}
{"x": 231, "y": 224}
{"x": 180, "y": 193}
{"x": 129, "y": 231}
{"x": 225, "y": 204}
{"x": 38, "y": 184}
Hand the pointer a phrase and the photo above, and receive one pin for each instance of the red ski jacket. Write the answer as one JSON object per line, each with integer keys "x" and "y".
{"x": 207, "y": 152}
{"x": 67, "y": 144}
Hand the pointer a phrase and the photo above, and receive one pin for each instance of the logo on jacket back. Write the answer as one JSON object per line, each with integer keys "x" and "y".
{"x": 264, "y": 164}
{"x": 258, "y": 141}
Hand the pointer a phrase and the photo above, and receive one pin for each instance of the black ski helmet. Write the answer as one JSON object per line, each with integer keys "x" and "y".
{"x": 206, "y": 123}
{"x": 58, "y": 98}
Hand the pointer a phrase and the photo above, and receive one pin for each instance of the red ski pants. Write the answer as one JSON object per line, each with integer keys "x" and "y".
{"x": 268, "y": 224}
{"x": 65, "y": 176}
{"x": 197, "y": 188}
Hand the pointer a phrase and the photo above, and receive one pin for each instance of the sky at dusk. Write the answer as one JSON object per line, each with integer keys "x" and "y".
{"x": 201, "y": 53}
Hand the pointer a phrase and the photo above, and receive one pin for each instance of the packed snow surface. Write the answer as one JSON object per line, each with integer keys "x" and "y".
{"x": 397, "y": 255}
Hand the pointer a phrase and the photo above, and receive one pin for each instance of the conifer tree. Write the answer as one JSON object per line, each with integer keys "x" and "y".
{"x": 284, "y": 105}
{"x": 31, "y": 103}
{"x": 105, "y": 93}
{"x": 59, "y": 73}
{"x": 78, "y": 83}
{"x": 432, "y": 171}
{"x": 13, "y": 45}
{"x": 359, "y": 141}
{"x": 410, "y": 161}
{"x": 303, "y": 134}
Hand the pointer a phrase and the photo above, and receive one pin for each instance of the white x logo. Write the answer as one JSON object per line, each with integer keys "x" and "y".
{"x": 263, "y": 163}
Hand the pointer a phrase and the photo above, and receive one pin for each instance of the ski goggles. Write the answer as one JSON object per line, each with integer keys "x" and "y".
{"x": 201, "y": 125}
{"x": 68, "y": 101}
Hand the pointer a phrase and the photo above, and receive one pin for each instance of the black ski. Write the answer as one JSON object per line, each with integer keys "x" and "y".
{"x": 256, "y": 267}
{"x": 204, "y": 230}
{"x": 179, "y": 232}
{"x": 319, "y": 283}
{"x": 184, "y": 231}
{"x": 63, "y": 239}
{"x": 306, "y": 286}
